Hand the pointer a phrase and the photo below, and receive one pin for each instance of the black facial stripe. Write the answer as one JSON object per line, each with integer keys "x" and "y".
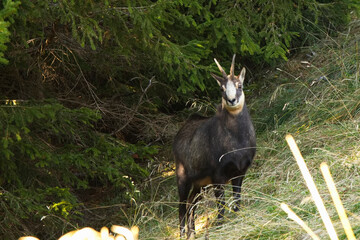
{"x": 238, "y": 93}
{"x": 237, "y": 96}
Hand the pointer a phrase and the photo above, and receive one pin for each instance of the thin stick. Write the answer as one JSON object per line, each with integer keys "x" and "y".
{"x": 292, "y": 215}
{"x": 312, "y": 187}
{"x": 337, "y": 202}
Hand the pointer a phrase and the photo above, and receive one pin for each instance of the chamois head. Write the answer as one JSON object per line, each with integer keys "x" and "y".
{"x": 233, "y": 97}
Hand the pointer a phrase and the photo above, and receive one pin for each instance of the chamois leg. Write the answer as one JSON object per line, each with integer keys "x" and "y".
{"x": 220, "y": 200}
{"x": 184, "y": 189}
{"x": 192, "y": 200}
{"x": 237, "y": 182}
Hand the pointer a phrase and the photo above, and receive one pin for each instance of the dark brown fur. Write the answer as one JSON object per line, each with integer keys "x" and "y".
{"x": 214, "y": 150}
{"x": 198, "y": 147}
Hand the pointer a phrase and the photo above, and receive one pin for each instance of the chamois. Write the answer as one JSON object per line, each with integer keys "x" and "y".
{"x": 214, "y": 150}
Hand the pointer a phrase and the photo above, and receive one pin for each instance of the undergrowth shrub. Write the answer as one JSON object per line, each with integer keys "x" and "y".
{"x": 49, "y": 152}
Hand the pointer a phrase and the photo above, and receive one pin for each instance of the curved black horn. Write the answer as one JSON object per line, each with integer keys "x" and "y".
{"x": 220, "y": 68}
{"x": 232, "y": 67}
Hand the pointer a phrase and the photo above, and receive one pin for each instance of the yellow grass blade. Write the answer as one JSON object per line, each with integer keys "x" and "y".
{"x": 337, "y": 202}
{"x": 292, "y": 215}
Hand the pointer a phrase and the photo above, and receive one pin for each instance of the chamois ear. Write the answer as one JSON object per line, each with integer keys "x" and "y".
{"x": 217, "y": 78}
{"x": 242, "y": 75}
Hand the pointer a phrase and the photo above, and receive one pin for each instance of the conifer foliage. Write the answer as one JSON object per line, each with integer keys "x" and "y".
{"x": 175, "y": 40}
{"x": 8, "y": 9}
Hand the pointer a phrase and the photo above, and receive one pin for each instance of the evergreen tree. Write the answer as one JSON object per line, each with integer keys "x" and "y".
{"x": 8, "y": 8}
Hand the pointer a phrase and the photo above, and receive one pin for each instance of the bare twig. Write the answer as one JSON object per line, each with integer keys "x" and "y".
{"x": 136, "y": 108}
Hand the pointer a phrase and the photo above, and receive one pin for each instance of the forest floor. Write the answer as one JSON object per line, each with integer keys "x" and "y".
{"x": 315, "y": 96}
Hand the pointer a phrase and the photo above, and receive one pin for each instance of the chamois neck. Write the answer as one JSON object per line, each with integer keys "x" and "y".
{"x": 229, "y": 121}
{"x": 234, "y": 110}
